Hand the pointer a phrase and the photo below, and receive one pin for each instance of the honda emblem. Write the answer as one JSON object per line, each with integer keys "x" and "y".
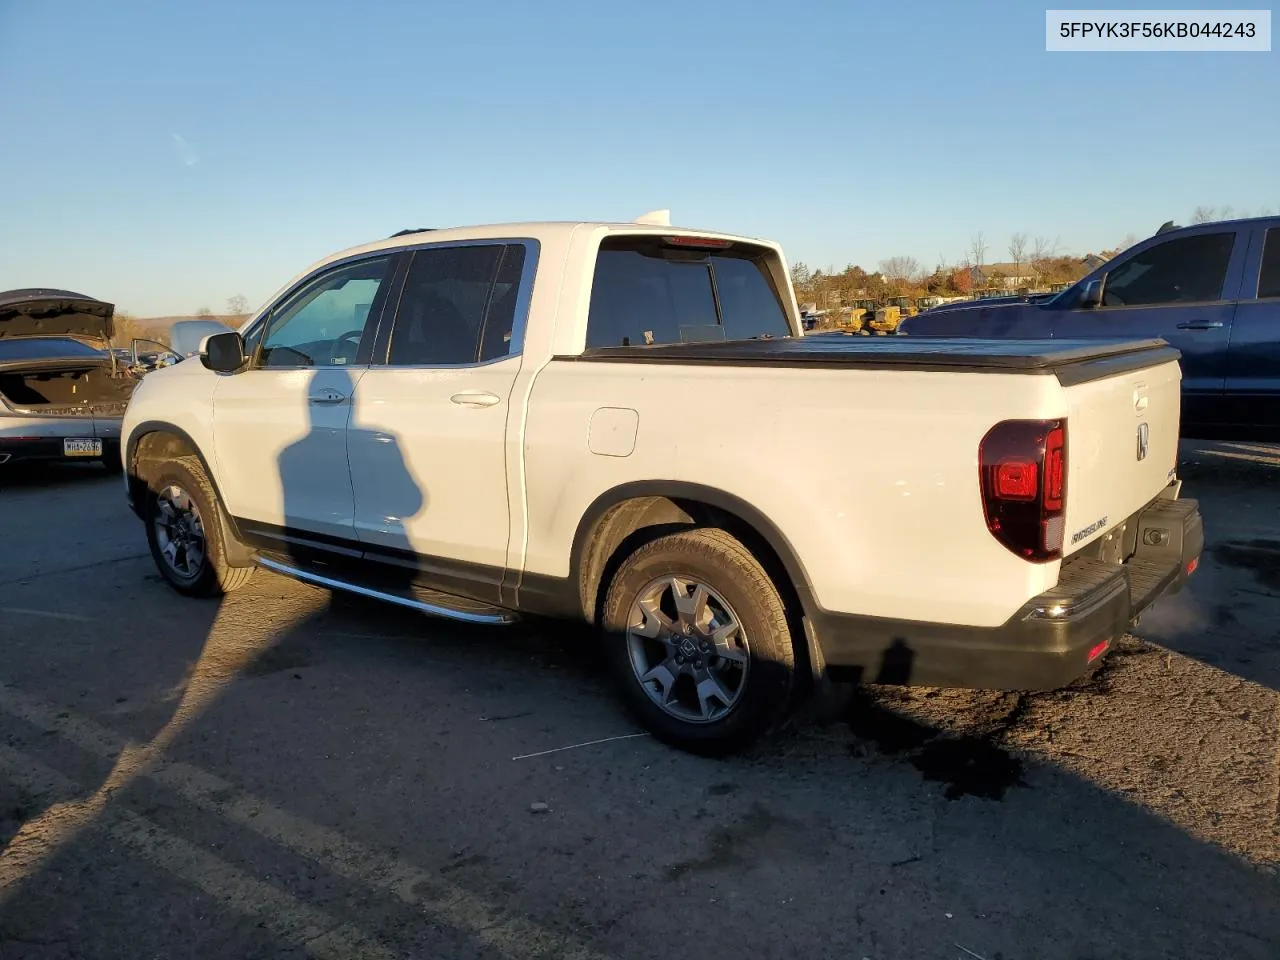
{"x": 1144, "y": 436}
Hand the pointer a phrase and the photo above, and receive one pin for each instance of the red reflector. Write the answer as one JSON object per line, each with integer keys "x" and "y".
{"x": 1016, "y": 481}
{"x": 1054, "y": 469}
{"x": 701, "y": 242}
{"x": 1099, "y": 650}
{"x": 1191, "y": 567}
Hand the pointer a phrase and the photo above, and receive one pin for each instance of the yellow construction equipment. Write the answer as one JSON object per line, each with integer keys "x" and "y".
{"x": 886, "y": 319}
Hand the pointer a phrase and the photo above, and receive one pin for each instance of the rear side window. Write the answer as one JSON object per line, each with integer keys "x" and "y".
{"x": 46, "y": 348}
{"x": 1269, "y": 278}
{"x": 1185, "y": 270}
{"x": 458, "y": 305}
{"x": 646, "y": 292}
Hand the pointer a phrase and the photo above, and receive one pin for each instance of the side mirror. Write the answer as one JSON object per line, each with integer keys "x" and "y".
{"x": 223, "y": 352}
{"x": 1092, "y": 296}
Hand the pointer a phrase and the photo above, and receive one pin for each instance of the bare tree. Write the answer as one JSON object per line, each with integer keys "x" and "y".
{"x": 204, "y": 313}
{"x": 1042, "y": 251}
{"x": 900, "y": 268}
{"x": 1018, "y": 250}
{"x": 237, "y": 305}
{"x": 1203, "y": 214}
{"x": 978, "y": 250}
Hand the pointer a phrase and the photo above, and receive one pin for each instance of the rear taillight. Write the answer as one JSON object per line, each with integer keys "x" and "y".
{"x": 1022, "y": 468}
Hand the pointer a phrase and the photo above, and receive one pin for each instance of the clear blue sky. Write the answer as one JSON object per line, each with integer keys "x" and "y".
{"x": 169, "y": 155}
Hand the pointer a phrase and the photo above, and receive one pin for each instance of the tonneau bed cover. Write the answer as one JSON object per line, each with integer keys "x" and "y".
{"x": 1072, "y": 361}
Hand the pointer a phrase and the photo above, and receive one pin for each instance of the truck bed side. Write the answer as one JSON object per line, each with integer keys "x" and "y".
{"x": 869, "y": 475}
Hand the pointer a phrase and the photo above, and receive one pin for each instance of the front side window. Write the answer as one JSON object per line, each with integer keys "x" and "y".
{"x": 1183, "y": 270}
{"x": 1269, "y": 277}
{"x": 646, "y": 292}
{"x": 458, "y": 305}
{"x": 322, "y": 324}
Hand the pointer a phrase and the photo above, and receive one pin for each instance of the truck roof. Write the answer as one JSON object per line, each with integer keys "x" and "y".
{"x": 542, "y": 230}
{"x": 549, "y": 232}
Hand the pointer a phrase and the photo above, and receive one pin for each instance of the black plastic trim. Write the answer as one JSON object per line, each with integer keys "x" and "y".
{"x": 1034, "y": 649}
{"x": 397, "y": 568}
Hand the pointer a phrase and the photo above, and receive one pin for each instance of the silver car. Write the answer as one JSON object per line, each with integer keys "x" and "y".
{"x": 63, "y": 389}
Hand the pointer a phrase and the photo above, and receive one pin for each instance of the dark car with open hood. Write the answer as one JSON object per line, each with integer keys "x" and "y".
{"x": 63, "y": 388}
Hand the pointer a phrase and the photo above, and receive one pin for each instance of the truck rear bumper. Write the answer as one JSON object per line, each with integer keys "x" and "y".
{"x": 14, "y": 450}
{"x": 1053, "y": 640}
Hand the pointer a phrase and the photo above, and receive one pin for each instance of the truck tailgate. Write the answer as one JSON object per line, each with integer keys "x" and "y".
{"x": 1122, "y": 447}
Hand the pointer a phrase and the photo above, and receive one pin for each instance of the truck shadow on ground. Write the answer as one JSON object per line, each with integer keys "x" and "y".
{"x": 399, "y": 730}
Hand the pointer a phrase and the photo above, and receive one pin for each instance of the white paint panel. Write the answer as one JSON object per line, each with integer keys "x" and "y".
{"x": 430, "y": 472}
{"x": 872, "y": 476}
{"x": 282, "y": 452}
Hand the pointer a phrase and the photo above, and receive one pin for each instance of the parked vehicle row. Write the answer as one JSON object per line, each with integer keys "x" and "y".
{"x": 1211, "y": 290}
{"x": 601, "y": 422}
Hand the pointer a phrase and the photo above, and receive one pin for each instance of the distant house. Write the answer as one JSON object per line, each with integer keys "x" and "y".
{"x": 1008, "y": 276}
{"x": 1092, "y": 261}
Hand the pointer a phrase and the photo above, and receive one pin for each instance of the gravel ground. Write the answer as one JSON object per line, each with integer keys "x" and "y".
{"x": 291, "y": 774}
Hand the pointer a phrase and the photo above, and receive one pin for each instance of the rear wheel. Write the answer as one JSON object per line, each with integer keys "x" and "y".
{"x": 185, "y": 532}
{"x": 699, "y": 641}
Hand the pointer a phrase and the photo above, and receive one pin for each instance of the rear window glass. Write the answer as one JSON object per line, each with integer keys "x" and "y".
{"x": 646, "y": 293}
{"x": 1269, "y": 279}
{"x": 46, "y": 348}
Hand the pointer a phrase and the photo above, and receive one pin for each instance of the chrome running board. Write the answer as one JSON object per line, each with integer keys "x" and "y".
{"x": 437, "y": 606}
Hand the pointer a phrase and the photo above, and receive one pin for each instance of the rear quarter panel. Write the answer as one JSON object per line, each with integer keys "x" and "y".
{"x": 871, "y": 476}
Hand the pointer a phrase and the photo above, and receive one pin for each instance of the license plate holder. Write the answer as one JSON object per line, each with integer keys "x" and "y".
{"x": 82, "y": 447}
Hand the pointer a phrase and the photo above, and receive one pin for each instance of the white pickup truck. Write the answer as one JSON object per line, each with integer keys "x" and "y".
{"x": 624, "y": 424}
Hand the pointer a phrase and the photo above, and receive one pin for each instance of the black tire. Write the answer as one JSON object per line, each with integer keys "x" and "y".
{"x": 214, "y": 576}
{"x": 712, "y": 557}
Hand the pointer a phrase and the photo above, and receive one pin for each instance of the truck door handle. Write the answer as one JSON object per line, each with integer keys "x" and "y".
{"x": 475, "y": 398}
{"x": 1199, "y": 325}
{"x": 328, "y": 395}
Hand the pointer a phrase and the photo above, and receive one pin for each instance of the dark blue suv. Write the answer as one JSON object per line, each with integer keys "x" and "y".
{"x": 1212, "y": 290}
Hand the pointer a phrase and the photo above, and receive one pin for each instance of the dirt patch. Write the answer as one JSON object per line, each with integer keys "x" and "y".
{"x": 276, "y": 660}
{"x": 971, "y": 764}
{"x": 757, "y": 835}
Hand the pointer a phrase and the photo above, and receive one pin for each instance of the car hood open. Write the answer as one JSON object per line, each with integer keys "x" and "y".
{"x": 44, "y": 312}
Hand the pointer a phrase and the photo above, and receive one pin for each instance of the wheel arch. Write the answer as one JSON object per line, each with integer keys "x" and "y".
{"x": 158, "y": 441}
{"x": 622, "y": 518}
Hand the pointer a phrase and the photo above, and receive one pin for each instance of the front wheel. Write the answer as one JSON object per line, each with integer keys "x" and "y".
{"x": 185, "y": 534}
{"x": 699, "y": 641}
